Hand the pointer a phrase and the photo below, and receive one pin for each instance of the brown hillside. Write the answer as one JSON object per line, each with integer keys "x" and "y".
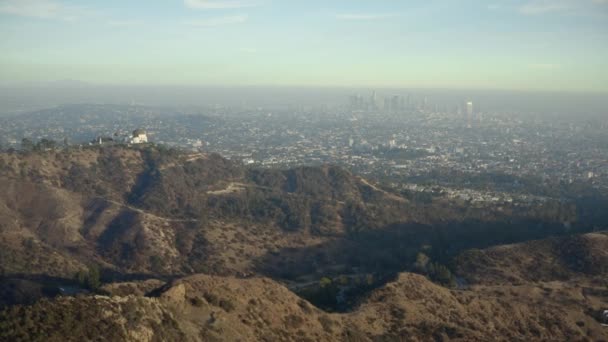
{"x": 547, "y": 260}
{"x": 208, "y": 308}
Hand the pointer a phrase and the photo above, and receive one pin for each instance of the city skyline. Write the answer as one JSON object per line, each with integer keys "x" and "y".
{"x": 516, "y": 45}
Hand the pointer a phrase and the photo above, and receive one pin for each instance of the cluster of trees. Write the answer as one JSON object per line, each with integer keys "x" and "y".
{"x": 4, "y": 148}
{"x": 157, "y": 263}
{"x": 341, "y": 293}
{"x": 89, "y": 279}
{"x": 435, "y": 271}
{"x": 401, "y": 154}
{"x": 421, "y": 197}
{"x": 44, "y": 144}
{"x": 325, "y": 295}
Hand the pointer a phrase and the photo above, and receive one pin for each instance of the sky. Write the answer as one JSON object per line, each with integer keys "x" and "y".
{"x": 540, "y": 45}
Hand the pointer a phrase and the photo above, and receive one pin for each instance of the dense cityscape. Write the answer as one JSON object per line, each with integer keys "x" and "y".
{"x": 405, "y": 142}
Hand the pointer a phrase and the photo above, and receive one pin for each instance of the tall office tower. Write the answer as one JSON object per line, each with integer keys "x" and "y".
{"x": 408, "y": 102}
{"x": 353, "y": 102}
{"x": 387, "y": 104}
{"x": 357, "y": 102}
{"x": 470, "y": 112}
{"x": 360, "y": 102}
{"x": 402, "y": 103}
{"x": 373, "y": 101}
{"x": 425, "y": 103}
{"x": 392, "y": 143}
{"x": 395, "y": 104}
{"x": 470, "y": 109}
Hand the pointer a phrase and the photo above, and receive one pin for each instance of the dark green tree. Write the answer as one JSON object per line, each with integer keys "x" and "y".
{"x": 441, "y": 274}
{"x": 45, "y": 144}
{"x": 93, "y": 279}
{"x": 27, "y": 145}
{"x": 156, "y": 263}
{"x": 89, "y": 279}
{"x": 81, "y": 278}
{"x": 422, "y": 261}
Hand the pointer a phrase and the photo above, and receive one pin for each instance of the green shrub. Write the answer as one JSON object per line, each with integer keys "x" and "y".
{"x": 227, "y": 305}
{"x": 212, "y": 299}
{"x": 197, "y": 301}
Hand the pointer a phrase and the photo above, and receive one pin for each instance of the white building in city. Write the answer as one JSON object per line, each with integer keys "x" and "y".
{"x": 139, "y": 137}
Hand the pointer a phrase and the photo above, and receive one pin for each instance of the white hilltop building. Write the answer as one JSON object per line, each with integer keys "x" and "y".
{"x": 139, "y": 137}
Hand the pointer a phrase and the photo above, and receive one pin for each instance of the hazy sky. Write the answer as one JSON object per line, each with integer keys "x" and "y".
{"x": 504, "y": 44}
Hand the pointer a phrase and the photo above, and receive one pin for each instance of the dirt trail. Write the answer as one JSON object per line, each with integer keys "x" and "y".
{"x": 388, "y": 194}
{"x": 141, "y": 211}
{"x": 231, "y": 188}
{"x": 190, "y": 158}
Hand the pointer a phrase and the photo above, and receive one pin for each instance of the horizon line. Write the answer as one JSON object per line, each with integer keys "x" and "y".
{"x": 70, "y": 83}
